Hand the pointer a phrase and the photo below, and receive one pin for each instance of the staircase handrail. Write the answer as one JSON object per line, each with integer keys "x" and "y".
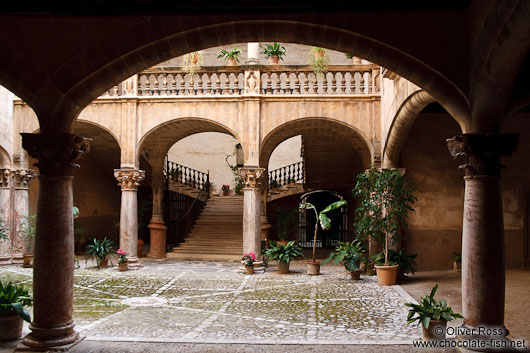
{"x": 186, "y": 175}
{"x": 284, "y": 175}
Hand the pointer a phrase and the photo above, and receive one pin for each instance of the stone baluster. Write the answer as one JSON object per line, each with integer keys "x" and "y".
{"x": 252, "y": 209}
{"x": 304, "y": 82}
{"x": 362, "y": 86}
{"x": 217, "y": 83}
{"x": 268, "y": 84}
{"x": 324, "y": 83}
{"x": 334, "y": 88}
{"x": 52, "y": 327}
{"x": 483, "y": 252}
{"x": 180, "y": 85}
{"x": 162, "y": 79}
{"x": 207, "y": 83}
{"x": 129, "y": 180}
{"x": 296, "y": 88}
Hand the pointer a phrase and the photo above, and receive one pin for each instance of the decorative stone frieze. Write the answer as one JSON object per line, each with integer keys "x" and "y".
{"x": 252, "y": 82}
{"x": 482, "y": 152}
{"x": 5, "y": 178}
{"x": 57, "y": 154}
{"x": 22, "y": 177}
{"x": 129, "y": 179}
{"x": 251, "y": 176}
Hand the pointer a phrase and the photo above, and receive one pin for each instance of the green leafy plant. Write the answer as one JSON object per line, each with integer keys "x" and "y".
{"x": 322, "y": 219}
{"x": 283, "y": 253}
{"x": 192, "y": 62}
{"x": 273, "y": 184}
{"x": 4, "y": 230}
{"x": 406, "y": 262}
{"x": 230, "y": 54}
{"x": 351, "y": 254}
{"x": 13, "y": 299}
{"x": 98, "y": 250}
{"x": 319, "y": 60}
{"x": 385, "y": 199}
{"x": 238, "y": 179}
{"x": 273, "y": 50}
{"x": 285, "y": 221}
{"x": 457, "y": 257}
{"x": 28, "y": 229}
{"x": 430, "y": 309}
{"x": 348, "y": 56}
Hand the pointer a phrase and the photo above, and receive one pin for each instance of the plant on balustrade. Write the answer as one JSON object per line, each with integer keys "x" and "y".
{"x": 273, "y": 52}
{"x": 191, "y": 63}
{"x": 319, "y": 60}
{"x": 232, "y": 56}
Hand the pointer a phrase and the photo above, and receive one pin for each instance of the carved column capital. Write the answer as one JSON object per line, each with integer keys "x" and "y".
{"x": 57, "y": 154}
{"x": 129, "y": 179}
{"x": 23, "y": 176}
{"x": 482, "y": 152}
{"x": 5, "y": 177}
{"x": 251, "y": 176}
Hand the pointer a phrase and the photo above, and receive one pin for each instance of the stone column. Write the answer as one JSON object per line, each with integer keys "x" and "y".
{"x": 21, "y": 212}
{"x": 5, "y": 207}
{"x": 53, "y": 270}
{"x": 251, "y": 209}
{"x": 129, "y": 179}
{"x": 157, "y": 228}
{"x": 483, "y": 262}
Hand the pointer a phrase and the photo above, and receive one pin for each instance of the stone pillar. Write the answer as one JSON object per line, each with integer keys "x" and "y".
{"x": 251, "y": 209}
{"x": 129, "y": 179}
{"x": 21, "y": 213}
{"x": 5, "y": 207}
{"x": 157, "y": 228}
{"x": 483, "y": 262}
{"x": 52, "y": 327}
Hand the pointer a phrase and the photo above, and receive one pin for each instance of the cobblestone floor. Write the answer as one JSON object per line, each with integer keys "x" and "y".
{"x": 206, "y": 302}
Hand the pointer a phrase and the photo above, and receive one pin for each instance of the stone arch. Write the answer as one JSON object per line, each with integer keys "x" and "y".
{"x": 359, "y": 141}
{"x": 5, "y": 159}
{"x": 99, "y": 127}
{"x": 155, "y": 144}
{"x": 401, "y": 125}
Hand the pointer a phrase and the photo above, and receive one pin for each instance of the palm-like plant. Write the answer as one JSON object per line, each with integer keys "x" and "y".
{"x": 351, "y": 254}
{"x": 283, "y": 253}
{"x": 13, "y": 298}
{"x": 273, "y": 50}
{"x": 98, "y": 250}
{"x": 322, "y": 219}
{"x": 430, "y": 309}
{"x": 230, "y": 54}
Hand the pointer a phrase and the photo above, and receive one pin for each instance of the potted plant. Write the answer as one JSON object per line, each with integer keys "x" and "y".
{"x": 385, "y": 199}
{"x": 319, "y": 61}
{"x": 122, "y": 260}
{"x": 351, "y": 254}
{"x": 28, "y": 229}
{"x": 273, "y": 184}
{"x": 405, "y": 262}
{"x": 13, "y": 299}
{"x": 191, "y": 63}
{"x": 285, "y": 221}
{"x": 355, "y": 59}
{"x": 432, "y": 315}
{"x": 283, "y": 254}
{"x": 313, "y": 267}
{"x": 99, "y": 250}
{"x": 226, "y": 189}
{"x": 273, "y": 52}
{"x": 248, "y": 261}
{"x": 231, "y": 56}
{"x": 457, "y": 261}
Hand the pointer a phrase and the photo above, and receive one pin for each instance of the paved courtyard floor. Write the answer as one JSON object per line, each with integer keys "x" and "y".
{"x": 191, "y": 306}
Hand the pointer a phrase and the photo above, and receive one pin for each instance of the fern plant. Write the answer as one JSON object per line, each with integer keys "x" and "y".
{"x": 13, "y": 299}
{"x": 283, "y": 253}
{"x": 351, "y": 254}
{"x": 98, "y": 250}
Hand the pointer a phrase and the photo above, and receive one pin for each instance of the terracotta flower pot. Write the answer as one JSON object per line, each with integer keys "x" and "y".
{"x": 282, "y": 242}
{"x": 283, "y": 268}
{"x": 313, "y": 268}
{"x": 123, "y": 266}
{"x": 104, "y": 263}
{"x": 28, "y": 260}
{"x": 356, "y": 60}
{"x": 436, "y": 330}
{"x": 456, "y": 266}
{"x": 249, "y": 269}
{"x": 231, "y": 62}
{"x": 10, "y": 327}
{"x": 386, "y": 275}
{"x": 355, "y": 275}
{"x": 273, "y": 60}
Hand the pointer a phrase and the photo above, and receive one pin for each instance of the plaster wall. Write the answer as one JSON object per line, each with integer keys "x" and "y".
{"x": 287, "y": 152}
{"x": 6, "y": 127}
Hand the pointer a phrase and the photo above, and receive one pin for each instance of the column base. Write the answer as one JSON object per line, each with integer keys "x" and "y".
{"x": 18, "y": 259}
{"x": 483, "y": 339}
{"x": 5, "y": 260}
{"x": 57, "y": 339}
{"x": 133, "y": 264}
{"x": 157, "y": 231}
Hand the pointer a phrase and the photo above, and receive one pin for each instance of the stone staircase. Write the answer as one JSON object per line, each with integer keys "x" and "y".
{"x": 286, "y": 190}
{"x": 217, "y": 234}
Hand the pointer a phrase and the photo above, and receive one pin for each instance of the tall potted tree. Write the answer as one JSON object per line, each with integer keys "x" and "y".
{"x": 385, "y": 199}
{"x": 313, "y": 267}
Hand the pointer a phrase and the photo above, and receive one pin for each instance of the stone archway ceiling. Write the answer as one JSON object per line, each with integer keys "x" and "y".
{"x": 157, "y": 143}
{"x": 103, "y": 148}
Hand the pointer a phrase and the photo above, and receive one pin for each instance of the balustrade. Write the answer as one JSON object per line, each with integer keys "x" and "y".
{"x": 273, "y": 80}
{"x": 287, "y": 174}
{"x": 194, "y": 178}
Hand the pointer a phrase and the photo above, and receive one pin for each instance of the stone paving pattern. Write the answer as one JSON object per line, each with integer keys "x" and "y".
{"x": 207, "y": 302}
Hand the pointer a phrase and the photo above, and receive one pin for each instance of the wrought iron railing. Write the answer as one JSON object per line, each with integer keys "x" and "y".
{"x": 194, "y": 178}
{"x": 288, "y": 174}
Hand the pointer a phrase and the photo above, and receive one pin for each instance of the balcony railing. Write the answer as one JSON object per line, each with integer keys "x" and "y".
{"x": 251, "y": 80}
{"x": 287, "y": 174}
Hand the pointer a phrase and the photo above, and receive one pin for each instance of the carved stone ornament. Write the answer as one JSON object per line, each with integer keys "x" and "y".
{"x": 129, "y": 179}
{"x": 23, "y": 176}
{"x": 57, "y": 154}
{"x": 252, "y": 82}
{"x": 251, "y": 176}
{"x": 482, "y": 152}
{"x": 5, "y": 177}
